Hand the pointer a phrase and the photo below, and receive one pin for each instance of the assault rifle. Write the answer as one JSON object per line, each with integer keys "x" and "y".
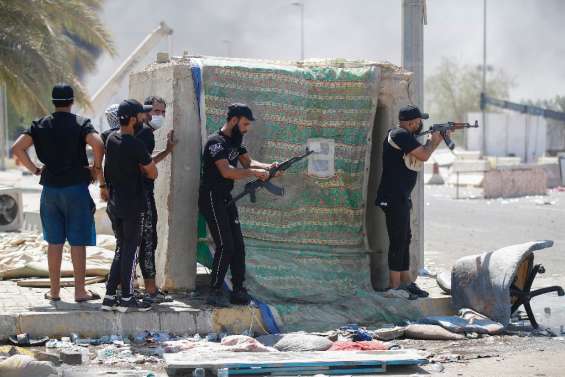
{"x": 443, "y": 128}
{"x": 252, "y": 187}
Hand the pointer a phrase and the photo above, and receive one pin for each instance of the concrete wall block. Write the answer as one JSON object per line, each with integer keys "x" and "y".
{"x": 176, "y": 190}
{"x": 7, "y": 326}
{"x": 515, "y": 182}
{"x": 463, "y": 166}
{"x": 181, "y": 322}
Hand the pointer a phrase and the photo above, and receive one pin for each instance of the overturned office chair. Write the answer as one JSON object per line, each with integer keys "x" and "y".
{"x": 520, "y": 290}
{"x": 497, "y": 283}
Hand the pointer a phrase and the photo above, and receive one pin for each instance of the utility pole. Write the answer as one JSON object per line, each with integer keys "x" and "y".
{"x": 300, "y": 5}
{"x": 3, "y": 126}
{"x": 484, "y": 81}
{"x": 413, "y": 20}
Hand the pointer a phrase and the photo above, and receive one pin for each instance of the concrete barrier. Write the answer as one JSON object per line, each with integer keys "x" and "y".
{"x": 515, "y": 181}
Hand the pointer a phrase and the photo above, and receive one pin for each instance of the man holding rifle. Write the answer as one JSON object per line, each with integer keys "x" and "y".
{"x": 402, "y": 156}
{"x": 221, "y": 155}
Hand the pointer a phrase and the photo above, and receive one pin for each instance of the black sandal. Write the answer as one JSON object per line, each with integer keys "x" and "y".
{"x": 48, "y": 296}
{"x": 93, "y": 297}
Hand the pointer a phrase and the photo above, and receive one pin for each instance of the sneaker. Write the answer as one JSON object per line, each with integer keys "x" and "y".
{"x": 415, "y": 290}
{"x": 109, "y": 304}
{"x": 133, "y": 305}
{"x": 157, "y": 298}
{"x": 399, "y": 293}
{"x": 240, "y": 297}
{"x": 218, "y": 299}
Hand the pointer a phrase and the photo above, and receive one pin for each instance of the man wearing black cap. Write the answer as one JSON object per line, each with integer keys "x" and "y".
{"x": 221, "y": 155}
{"x": 127, "y": 161}
{"x": 402, "y": 157}
{"x": 67, "y": 210}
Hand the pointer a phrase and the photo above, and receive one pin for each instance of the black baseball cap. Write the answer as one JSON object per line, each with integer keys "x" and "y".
{"x": 410, "y": 112}
{"x": 240, "y": 110}
{"x": 130, "y": 107}
{"x": 62, "y": 92}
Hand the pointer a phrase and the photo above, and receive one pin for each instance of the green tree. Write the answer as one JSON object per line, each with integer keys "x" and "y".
{"x": 43, "y": 42}
{"x": 454, "y": 89}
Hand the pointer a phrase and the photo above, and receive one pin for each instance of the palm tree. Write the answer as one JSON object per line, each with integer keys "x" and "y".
{"x": 38, "y": 48}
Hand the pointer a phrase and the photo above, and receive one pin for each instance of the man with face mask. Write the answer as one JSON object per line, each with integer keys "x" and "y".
{"x": 154, "y": 121}
{"x": 402, "y": 154}
{"x": 221, "y": 155}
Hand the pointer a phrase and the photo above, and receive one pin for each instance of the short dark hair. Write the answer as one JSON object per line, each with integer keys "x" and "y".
{"x": 152, "y": 99}
{"x": 62, "y": 103}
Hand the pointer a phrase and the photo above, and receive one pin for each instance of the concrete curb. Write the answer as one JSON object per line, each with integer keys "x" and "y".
{"x": 98, "y": 323}
{"x": 95, "y": 323}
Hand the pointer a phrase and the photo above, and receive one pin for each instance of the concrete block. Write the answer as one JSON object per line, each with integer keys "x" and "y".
{"x": 181, "y": 322}
{"x": 504, "y": 161}
{"x": 515, "y": 181}
{"x": 52, "y": 357}
{"x": 467, "y": 179}
{"x": 7, "y": 326}
{"x": 466, "y": 166}
{"x": 176, "y": 189}
{"x": 71, "y": 357}
{"x": 553, "y": 174}
{"x": 467, "y": 155}
{"x": 56, "y": 324}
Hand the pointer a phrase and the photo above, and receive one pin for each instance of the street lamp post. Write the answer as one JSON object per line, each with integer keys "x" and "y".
{"x": 484, "y": 80}
{"x": 300, "y": 5}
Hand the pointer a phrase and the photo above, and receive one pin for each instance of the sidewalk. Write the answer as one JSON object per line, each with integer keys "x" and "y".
{"x": 25, "y": 310}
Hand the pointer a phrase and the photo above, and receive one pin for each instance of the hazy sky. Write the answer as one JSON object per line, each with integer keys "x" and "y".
{"x": 525, "y": 37}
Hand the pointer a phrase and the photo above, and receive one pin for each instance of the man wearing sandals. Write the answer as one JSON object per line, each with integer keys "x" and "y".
{"x": 67, "y": 209}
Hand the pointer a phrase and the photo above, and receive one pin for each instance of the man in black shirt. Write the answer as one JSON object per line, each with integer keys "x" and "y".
{"x": 402, "y": 156}
{"x": 126, "y": 160}
{"x": 145, "y": 133}
{"x": 67, "y": 209}
{"x": 221, "y": 155}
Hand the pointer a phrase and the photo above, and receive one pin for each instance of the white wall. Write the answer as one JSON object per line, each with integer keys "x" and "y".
{"x": 509, "y": 133}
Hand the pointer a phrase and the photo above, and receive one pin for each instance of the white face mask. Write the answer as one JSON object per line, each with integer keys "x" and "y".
{"x": 157, "y": 121}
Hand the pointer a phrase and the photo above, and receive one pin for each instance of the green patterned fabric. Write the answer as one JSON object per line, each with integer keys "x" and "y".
{"x": 293, "y": 105}
{"x": 306, "y": 254}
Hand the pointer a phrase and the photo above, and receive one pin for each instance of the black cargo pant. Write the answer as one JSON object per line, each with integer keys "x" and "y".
{"x": 127, "y": 229}
{"x": 148, "y": 237}
{"x": 397, "y": 213}
{"x": 223, "y": 222}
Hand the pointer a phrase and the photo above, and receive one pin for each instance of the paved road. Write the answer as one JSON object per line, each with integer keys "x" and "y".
{"x": 456, "y": 228}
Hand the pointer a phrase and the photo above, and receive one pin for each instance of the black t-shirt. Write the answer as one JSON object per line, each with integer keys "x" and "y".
{"x": 60, "y": 143}
{"x": 124, "y": 154}
{"x": 145, "y": 134}
{"x": 397, "y": 181}
{"x": 219, "y": 147}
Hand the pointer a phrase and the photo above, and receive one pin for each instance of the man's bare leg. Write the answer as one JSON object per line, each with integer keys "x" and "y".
{"x": 394, "y": 279}
{"x": 78, "y": 256}
{"x": 405, "y": 277}
{"x": 54, "y": 258}
{"x": 150, "y": 286}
